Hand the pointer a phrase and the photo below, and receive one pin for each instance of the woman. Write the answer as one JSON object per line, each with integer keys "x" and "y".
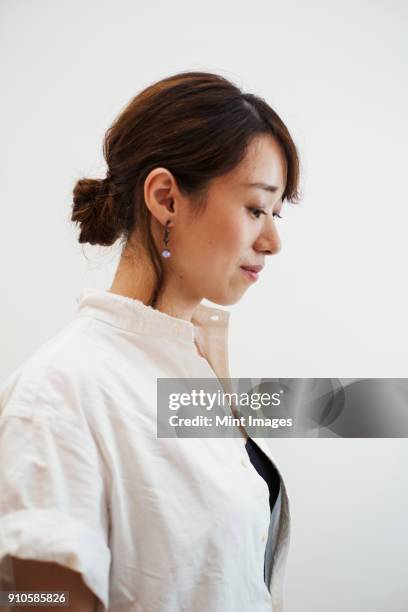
{"x": 93, "y": 502}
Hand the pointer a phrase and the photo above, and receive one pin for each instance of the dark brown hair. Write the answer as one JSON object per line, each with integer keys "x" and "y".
{"x": 198, "y": 125}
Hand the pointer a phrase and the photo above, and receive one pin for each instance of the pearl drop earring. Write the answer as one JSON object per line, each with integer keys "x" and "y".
{"x": 166, "y": 252}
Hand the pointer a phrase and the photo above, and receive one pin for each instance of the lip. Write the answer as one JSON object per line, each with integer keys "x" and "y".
{"x": 253, "y": 268}
{"x": 251, "y": 272}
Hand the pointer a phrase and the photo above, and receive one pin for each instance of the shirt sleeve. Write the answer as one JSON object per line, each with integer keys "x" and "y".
{"x": 52, "y": 498}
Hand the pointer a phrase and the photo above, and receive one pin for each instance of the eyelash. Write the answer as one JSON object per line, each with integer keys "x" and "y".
{"x": 262, "y": 211}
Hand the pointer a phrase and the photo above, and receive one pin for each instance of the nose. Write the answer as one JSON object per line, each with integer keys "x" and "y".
{"x": 268, "y": 240}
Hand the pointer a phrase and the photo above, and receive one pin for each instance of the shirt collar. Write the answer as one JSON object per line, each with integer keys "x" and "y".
{"x": 134, "y": 315}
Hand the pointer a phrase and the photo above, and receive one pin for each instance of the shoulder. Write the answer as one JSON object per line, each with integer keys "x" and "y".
{"x": 53, "y": 379}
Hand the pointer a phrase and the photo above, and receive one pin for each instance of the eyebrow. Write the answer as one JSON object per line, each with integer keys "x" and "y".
{"x": 265, "y": 186}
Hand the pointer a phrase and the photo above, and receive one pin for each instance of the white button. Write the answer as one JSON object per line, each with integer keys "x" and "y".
{"x": 243, "y": 462}
{"x": 215, "y": 317}
{"x": 263, "y": 539}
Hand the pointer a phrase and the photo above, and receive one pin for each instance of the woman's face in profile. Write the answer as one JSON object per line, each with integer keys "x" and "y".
{"x": 209, "y": 251}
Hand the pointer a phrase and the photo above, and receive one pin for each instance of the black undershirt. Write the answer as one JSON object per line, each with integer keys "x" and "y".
{"x": 265, "y": 468}
{"x": 268, "y": 472}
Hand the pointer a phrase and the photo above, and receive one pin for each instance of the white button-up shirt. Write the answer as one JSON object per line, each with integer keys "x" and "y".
{"x": 152, "y": 524}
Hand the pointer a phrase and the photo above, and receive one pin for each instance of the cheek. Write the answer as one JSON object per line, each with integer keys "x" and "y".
{"x": 217, "y": 242}
{"x": 236, "y": 237}
{"x": 225, "y": 246}
{"x": 234, "y": 227}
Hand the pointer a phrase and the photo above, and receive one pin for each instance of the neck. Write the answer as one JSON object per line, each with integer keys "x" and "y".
{"x": 135, "y": 278}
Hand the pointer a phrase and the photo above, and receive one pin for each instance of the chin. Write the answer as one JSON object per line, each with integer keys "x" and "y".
{"x": 225, "y": 299}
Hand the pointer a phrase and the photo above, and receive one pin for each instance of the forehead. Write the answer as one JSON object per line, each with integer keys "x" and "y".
{"x": 264, "y": 163}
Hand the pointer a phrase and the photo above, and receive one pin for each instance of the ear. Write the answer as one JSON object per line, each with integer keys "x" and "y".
{"x": 161, "y": 194}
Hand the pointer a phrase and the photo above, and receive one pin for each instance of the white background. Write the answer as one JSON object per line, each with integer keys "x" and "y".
{"x": 333, "y": 303}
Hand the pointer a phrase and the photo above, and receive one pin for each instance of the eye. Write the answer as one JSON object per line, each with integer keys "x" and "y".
{"x": 257, "y": 212}
{"x": 261, "y": 211}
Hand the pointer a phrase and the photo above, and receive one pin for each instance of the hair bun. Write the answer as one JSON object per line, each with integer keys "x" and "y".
{"x": 94, "y": 210}
{"x": 86, "y": 190}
